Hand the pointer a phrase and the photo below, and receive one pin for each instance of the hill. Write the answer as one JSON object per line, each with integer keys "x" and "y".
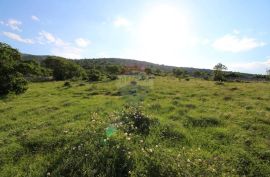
{"x": 87, "y": 63}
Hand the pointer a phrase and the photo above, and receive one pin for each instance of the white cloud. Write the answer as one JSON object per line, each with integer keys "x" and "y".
{"x": 234, "y": 43}
{"x": 59, "y": 46}
{"x": 35, "y": 18}
{"x": 14, "y": 24}
{"x": 82, "y": 42}
{"x": 257, "y": 67}
{"x": 67, "y": 52}
{"x": 18, "y": 38}
{"x": 121, "y": 22}
{"x": 46, "y": 37}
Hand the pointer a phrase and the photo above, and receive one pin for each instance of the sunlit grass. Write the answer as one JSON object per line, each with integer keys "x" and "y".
{"x": 196, "y": 128}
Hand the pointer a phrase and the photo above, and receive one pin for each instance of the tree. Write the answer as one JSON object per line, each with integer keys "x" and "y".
{"x": 64, "y": 69}
{"x": 11, "y": 80}
{"x": 148, "y": 71}
{"x": 178, "y": 72}
{"x": 219, "y": 72}
{"x": 268, "y": 74}
{"x": 113, "y": 69}
{"x": 94, "y": 75}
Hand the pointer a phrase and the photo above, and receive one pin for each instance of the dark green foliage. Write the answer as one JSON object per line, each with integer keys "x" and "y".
{"x": 114, "y": 69}
{"x": 64, "y": 69}
{"x": 94, "y": 75}
{"x": 219, "y": 72}
{"x": 11, "y": 80}
{"x": 135, "y": 121}
{"x": 178, "y": 72}
{"x": 67, "y": 84}
{"x": 202, "y": 122}
{"x": 112, "y": 77}
{"x": 32, "y": 68}
{"x": 148, "y": 71}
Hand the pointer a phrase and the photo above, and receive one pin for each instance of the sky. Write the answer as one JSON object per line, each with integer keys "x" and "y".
{"x": 187, "y": 33}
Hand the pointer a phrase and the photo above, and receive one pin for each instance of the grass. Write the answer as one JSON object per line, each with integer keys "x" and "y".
{"x": 180, "y": 128}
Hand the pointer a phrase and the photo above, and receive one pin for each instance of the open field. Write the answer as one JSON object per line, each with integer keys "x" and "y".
{"x": 152, "y": 127}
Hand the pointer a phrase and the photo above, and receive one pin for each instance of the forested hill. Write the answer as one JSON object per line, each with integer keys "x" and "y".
{"x": 88, "y": 63}
{"x": 116, "y": 61}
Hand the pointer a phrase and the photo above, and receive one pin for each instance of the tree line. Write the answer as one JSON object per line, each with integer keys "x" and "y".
{"x": 15, "y": 73}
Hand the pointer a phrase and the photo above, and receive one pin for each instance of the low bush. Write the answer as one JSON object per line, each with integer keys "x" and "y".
{"x": 202, "y": 122}
{"x": 67, "y": 84}
{"x": 135, "y": 121}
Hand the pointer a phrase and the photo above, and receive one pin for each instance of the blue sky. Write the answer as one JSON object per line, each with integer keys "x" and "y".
{"x": 192, "y": 33}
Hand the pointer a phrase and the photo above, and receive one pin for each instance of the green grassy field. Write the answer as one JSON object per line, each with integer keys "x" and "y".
{"x": 152, "y": 127}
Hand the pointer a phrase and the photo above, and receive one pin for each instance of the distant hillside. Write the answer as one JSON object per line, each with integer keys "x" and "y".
{"x": 88, "y": 63}
{"x": 116, "y": 61}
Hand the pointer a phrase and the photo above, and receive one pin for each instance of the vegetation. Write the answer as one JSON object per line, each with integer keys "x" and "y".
{"x": 218, "y": 72}
{"x": 11, "y": 76}
{"x": 133, "y": 127}
{"x": 101, "y": 118}
{"x": 64, "y": 69}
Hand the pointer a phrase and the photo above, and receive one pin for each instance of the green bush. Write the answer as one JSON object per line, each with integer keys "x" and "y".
{"x": 112, "y": 77}
{"x": 135, "y": 121}
{"x": 67, "y": 84}
{"x": 11, "y": 80}
{"x": 94, "y": 75}
{"x": 64, "y": 69}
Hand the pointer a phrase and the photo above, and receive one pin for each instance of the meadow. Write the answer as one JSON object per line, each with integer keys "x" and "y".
{"x": 158, "y": 126}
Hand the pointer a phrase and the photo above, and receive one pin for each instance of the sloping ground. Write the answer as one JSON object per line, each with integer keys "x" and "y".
{"x": 131, "y": 127}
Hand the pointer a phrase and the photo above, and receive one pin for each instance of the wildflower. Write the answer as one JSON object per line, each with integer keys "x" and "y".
{"x": 128, "y": 138}
{"x": 65, "y": 131}
{"x": 48, "y": 174}
{"x": 151, "y": 150}
{"x": 141, "y": 141}
{"x": 156, "y": 146}
{"x": 188, "y": 160}
{"x": 85, "y": 155}
{"x": 73, "y": 148}
{"x": 126, "y": 134}
{"x": 199, "y": 160}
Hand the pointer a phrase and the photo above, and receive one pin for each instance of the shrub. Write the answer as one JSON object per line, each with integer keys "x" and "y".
{"x": 135, "y": 121}
{"x": 112, "y": 77}
{"x": 202, "y": 122}
{"x": 94, "y": 75}
{"x": 67, "y": 84}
